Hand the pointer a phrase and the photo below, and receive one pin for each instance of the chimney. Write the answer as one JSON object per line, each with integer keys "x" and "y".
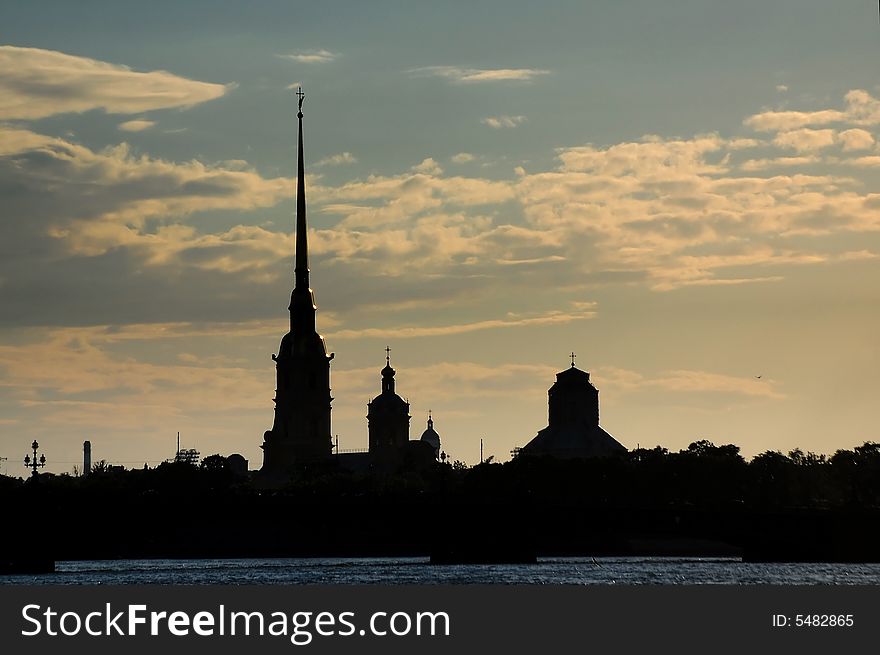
{"x": 87, "y": 457}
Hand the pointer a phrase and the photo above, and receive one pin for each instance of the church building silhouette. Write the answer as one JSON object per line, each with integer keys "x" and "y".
{"x": 301, "y": 434}
{"x": 301, "y": 431}
{"x": 573, "y": 429}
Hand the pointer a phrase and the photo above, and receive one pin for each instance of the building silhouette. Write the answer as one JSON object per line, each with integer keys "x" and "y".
{"x": 237, "y": 464}
{"x": 388, "y": 418}
{"x": 390, "y": 448}
{"x": 300, "y": 433}
{"x": 573, "y": 429}
{"x": 430, "y": 437}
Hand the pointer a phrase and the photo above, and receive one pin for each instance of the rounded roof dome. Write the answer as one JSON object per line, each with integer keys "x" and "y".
{"x": 430, "y": 435}
{"x": 388, "y": 400}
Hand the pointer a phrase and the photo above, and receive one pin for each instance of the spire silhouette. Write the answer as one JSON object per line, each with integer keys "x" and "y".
{"x": 302, "y": 243}
{"x": 302, "y": 300}
{"x": 388, "y": 373}
{"x": 301, "y": 430}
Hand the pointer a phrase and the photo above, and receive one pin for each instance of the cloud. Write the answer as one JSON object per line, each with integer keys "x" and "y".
{"x": 655, "y": 203}
{"x": 38, "y": 83}
{"x": 428, "y": 167}
{"x": 320, "y": 56}
{"x": 856, "y": 139}
{"x": 653, "y": 157}
{"x": 868, "y": 161}
{"x": 690, "y": 381}
{"x": 336, "y": 160}
{"x": 663, "y": 213}
{"x": 69, "y": 380}
{"x": 419, "y": 195}
{"x": 132, "y": 188}
{"x": 83, "y": 365}
{"x": 772, "y": 121}
{"x": 459, "y": 75}
{"x": 861, "y": 109}
{"x": 805, "y": 140}
{"x": 782, "y": 88}
{"x": 450, "y": 381}
{"x": 462, "y": 158}
{"x": 115, "y": 334}
{"x": 65, "y": 204}
{"x": 671, "y": 213}
{"x": 498, "y": 122}
{"x": 858, "y": 255}
{"x": 742, "y": 144}
{"x": 751, "y": 165}
{"x": 138, "y": 125}
{"x": 408, "y": 332}
{"x": 668, "y": 213}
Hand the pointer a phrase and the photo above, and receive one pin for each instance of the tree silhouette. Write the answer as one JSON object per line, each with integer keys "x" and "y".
{"x": 215, "y": 463}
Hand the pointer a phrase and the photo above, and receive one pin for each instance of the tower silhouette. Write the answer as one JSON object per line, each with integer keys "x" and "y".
{"x": 430, "y": 437}
{"x": 301, "y": 431}
{"x": 388, "y": 419}
{"x": 573, "y": 429}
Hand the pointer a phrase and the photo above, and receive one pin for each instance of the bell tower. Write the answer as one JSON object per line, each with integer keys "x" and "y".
{"x": 300, "y": 433}
{"x": 388, "y": 418}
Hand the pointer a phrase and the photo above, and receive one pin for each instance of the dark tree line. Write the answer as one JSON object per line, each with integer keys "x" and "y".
{"x": 798, "y": 505}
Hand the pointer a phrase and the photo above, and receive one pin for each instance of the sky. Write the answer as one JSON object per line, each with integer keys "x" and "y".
{"x": 685, "y": 194}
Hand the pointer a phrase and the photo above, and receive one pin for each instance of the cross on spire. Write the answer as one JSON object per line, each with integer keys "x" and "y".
{"x": 573, "y": 357}
{"x": 301, "y": 96}
{"x": 388, "y": 355}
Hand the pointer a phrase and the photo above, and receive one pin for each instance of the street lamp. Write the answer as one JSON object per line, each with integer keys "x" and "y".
{"x": 34, "y": 463}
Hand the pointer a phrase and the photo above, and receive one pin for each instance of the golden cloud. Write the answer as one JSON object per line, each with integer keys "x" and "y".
{"x": 37, "y": 83}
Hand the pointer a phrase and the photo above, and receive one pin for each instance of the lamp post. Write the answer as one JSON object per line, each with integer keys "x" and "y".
{"x": 35, "y": 463}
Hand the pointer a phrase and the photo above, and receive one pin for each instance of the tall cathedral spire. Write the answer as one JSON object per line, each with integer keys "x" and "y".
{"x": 301, "y": 430}
{"x": 302, "y": 242}
{"x": 302, "y": 300}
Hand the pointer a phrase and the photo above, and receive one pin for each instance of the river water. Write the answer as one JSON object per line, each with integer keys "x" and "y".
{"x": 561, "y": 570}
